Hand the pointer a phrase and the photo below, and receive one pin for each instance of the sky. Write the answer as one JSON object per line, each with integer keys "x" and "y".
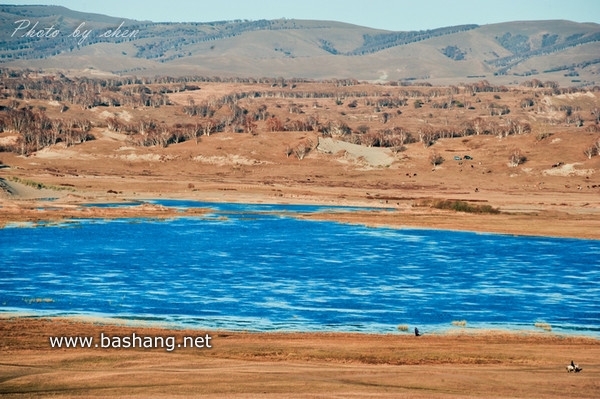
{"x": 396, "y": 15}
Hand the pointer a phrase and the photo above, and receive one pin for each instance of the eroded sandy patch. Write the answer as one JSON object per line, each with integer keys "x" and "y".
{"x": 230, "y": 159}
{"x": 371, "y": 156}
{"x": 568, "y": 170}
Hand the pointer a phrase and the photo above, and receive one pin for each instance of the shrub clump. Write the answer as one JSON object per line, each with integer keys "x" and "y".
{"x": 461, "y": 206}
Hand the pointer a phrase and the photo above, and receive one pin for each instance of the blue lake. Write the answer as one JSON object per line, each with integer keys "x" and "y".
{"x": 259, "y": 268}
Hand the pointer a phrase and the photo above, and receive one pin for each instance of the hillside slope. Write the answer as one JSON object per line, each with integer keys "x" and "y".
{"x": 56, "y": 37}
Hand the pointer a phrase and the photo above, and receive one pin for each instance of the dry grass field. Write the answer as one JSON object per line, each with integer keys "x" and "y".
{"x": 295, "y": 365}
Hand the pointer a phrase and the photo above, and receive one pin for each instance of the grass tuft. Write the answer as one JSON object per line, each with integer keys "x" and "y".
{"x": 39, "y": 186}
{"x": 459, "y": 323}
{"x": 543, "y": 325}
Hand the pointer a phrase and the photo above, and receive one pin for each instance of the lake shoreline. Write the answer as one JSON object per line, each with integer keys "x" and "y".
{"x": 540, "y": 329}
{"x": 529, "y": 213}
{"x": 540, "y": 223}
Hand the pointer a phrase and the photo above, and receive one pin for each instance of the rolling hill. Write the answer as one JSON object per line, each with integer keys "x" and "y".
{"x": 52, "y": 37}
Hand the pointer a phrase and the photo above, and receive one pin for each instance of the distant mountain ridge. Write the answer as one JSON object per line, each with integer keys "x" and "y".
{"x": 55, "y": 37}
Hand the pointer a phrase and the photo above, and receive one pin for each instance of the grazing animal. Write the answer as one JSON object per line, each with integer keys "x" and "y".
{"x": 417, "y": 333}
{"x": 573, "y": 368}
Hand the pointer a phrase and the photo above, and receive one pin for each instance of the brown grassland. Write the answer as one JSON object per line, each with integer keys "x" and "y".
{"x": 295, "y": 365}
{"x": 531, "y": 169}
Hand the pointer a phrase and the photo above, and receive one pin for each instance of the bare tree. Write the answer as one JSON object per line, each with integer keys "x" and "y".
{"x": 371, "y": 139}
{"x": 596, "y": 115}
{"x": 337, "y": 128}
{"x": 396, "y": 143}
{"x": 590, "y": 151}
{"x": 209, "y": 126}
{"x": 436, "y": 159}
{"x": 249, "y": 125}
{"x": 427, "y": 136}
{"x": 303, "y": 148}
{"x": 274, "y": 124}
{"x": 516, "y": 157}
{"x": 165, "y": 135}
{"x": 362, "y": 129}
{"x": 288, "y": 151}
{"x": 478, "y": 125}
{"x": 114, "y": 124}
{"x": 261, "y": 113}
{"x": 192, "y": 131}
{"x": 19, "y": 120}
{"x": 146, "y": 126}
{"x": 313, "y": 123}
{"x": 84, "y": 125}
{"x": 296, "y": 125}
